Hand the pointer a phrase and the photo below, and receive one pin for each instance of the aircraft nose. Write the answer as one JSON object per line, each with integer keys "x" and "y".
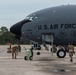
{"x": 16, "y": 28}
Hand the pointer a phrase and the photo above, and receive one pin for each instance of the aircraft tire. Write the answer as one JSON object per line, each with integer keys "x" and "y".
{"x": 61, "y": 53}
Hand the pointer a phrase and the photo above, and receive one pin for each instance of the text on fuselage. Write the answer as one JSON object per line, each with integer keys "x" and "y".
{"x": 57, "y": 26}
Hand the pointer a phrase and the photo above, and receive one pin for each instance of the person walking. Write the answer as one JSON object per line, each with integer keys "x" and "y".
{"x": 71, "y": 51}
{"x": 19, "y": 48}
{"x": 31, "y": 53}
{"x": 14, "y": 51}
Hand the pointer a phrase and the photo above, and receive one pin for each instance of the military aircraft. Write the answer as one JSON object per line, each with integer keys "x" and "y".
{"x": 54, "y": 24}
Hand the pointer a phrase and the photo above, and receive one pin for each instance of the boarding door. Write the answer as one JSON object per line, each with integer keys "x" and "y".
{"x": 48, "y": 37}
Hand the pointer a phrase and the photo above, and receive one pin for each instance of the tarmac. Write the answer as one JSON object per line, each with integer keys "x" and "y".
{"x": 43, "y": 64}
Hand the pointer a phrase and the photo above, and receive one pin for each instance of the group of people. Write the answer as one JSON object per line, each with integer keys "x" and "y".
{"x": 29, "y": 52}
{"x": 15, "y": 49}
{"x": 70, "y": 48}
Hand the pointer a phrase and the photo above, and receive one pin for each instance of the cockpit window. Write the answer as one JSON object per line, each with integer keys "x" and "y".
{"x": 32, "y": 17}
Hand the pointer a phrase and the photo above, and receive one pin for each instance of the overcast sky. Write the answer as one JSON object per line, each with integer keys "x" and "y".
{"x": 12, "y": 11}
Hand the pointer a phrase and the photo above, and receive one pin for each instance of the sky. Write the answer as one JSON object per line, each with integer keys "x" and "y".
{"x": 13, "y": 11}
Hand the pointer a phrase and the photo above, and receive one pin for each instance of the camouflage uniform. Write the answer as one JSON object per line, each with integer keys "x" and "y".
{"x": 14, "y": 52}
{"x": 71, "y": 51}
{"x": 19, "y": 48}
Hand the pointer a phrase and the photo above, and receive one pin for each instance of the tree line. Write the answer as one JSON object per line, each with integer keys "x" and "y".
{"x": 7, "y": 37}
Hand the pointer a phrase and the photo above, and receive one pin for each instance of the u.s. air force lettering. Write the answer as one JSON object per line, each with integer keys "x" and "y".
{"x": 68, "y": 26}
{"x": 57, "y": 26}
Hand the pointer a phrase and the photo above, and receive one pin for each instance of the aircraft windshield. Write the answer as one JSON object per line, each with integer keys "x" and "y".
{"x": 32, "y": 17}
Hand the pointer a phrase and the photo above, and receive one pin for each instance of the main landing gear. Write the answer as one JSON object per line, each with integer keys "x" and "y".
{"x": 61, "y": 52}
{"x": 49, "y": 37}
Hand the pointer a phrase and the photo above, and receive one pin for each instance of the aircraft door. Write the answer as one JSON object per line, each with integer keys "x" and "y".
{"x": 47, "y": 37}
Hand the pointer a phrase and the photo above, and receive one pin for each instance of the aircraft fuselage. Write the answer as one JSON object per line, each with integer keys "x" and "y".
{"x": 59, "y": 21}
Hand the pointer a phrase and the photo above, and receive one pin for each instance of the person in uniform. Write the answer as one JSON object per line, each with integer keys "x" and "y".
{"x": 19, "y": 48}
{"x": 14, "y": 51}
{"x": 31, "y": 53}
{"x": 46, "y": 48}
{"x": 71, "y": 51}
